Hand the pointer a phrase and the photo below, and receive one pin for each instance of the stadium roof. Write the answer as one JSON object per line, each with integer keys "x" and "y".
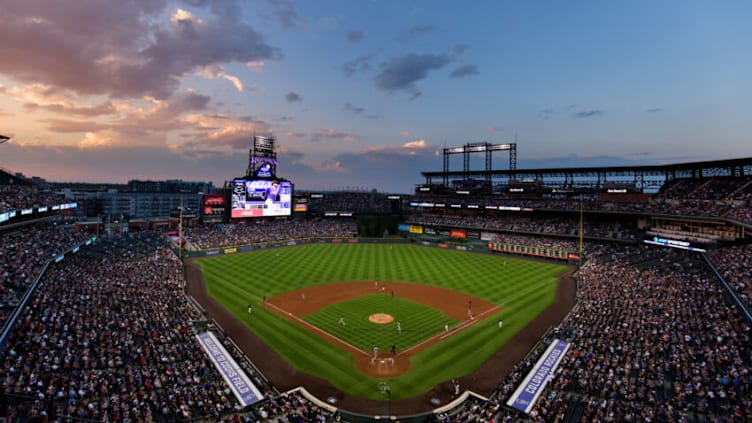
{"x": 648, "y": 177}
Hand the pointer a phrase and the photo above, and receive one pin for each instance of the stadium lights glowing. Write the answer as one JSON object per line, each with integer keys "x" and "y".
{"x": 478, "y": 148}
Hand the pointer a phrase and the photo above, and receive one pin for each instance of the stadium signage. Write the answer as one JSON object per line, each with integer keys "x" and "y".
{"x": 530, "y": 389}
{"x": 673, "y": 243}
{"x": 457, "y": 233}
{"x": 245, "y": 391}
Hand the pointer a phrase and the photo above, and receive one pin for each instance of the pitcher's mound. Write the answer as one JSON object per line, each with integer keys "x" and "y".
{"x": 381, "y": 318}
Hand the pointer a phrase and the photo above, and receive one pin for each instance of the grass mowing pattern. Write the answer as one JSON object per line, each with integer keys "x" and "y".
{"x": 418, "y": 322}
{"x": 522, "y": 288}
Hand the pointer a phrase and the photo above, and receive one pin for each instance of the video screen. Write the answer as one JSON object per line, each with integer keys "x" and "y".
{"x": 261, "y": 198}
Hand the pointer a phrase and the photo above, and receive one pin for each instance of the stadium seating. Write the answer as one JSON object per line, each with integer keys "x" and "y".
{"x": 654, "y": 335}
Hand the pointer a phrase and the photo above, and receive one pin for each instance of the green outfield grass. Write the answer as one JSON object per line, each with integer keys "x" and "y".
{"x": 523, "y": 289}
{"x": 417, "y": 322}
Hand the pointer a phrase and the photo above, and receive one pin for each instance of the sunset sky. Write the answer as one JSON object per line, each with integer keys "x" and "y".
{"x": 365, "y": 94}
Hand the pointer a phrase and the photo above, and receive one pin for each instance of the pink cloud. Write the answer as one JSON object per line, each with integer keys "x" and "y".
{"x": 120, "y": 49}
{"x": 333, "y": 134}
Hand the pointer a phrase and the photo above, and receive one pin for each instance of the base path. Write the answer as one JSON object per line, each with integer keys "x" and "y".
{"x": 292, "y": 305}
{"x": 484, "y": 381}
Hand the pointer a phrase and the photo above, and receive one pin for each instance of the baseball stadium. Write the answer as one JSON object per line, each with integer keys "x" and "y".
{"x": 486, "y": 295}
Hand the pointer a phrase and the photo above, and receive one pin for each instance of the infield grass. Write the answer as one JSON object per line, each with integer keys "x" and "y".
{"x": 417, "y": 322}
{"x": 522, "y": 288}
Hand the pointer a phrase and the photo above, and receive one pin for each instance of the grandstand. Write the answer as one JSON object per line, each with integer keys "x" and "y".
{"x": 102, "y": 329}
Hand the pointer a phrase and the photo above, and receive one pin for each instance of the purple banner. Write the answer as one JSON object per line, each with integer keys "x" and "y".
{"x": 241, "y": 386}
{"x": 527, "y": 393}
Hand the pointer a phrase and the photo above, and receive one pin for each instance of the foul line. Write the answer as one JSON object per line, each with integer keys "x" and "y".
{"x": 445, "y": 334}
{"x": 314, "y": 328}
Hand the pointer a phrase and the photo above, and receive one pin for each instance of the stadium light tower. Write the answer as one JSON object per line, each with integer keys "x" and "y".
{"x": 3, "y": 139}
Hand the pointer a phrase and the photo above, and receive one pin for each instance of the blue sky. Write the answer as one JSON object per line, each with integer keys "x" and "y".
{"x": 365, "y": 94}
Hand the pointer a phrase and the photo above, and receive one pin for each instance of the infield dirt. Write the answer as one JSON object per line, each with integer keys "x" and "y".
{"x": 484, "y": 381}
{"x": 292, "y": 305}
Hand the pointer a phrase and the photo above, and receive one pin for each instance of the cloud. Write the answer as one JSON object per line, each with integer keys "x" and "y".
{"x": 406, "y": 133}
{"x": 332, "y": 134}
{"x": 256, "y": 65}
{"x": 546, "y": 114}
{"x": 215, "y": 71}
{"x": 401, "y": 73}
{"x": 588, "y": 113}
{"x": 189, "y": 101}
{"x": 390, "y": 169}
{"x": 75, "y": 126}
{"x": 284, "y": 12}
{"x": 356, "y": 110}
{"x": 416, "y": 31}
{"x": 115, "y": 164}
{"x": 331, "y": 166}
{"x": 415, "y": 144}
{"x": 354, "y": 36}
{"x": 106, "y": 108}
{"x": 386, "y": 170}
{"x": 464, "y": 71}
{"x": 494, "y": 129}
{"x": 128, "y": 51}
{"x": 213, "y": 131}
{"x": 295, "y": 135}
{"x": 99, "y": 139}
{"x": 292, "y": 97}
{"x": 360, "y": 64}
{"x": 410, "y": 148}
{"x": 44, "y": 97}
{"x": 655, "y": 110}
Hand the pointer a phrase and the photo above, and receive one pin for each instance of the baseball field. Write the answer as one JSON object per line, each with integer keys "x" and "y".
{"x": 362, "y": 315}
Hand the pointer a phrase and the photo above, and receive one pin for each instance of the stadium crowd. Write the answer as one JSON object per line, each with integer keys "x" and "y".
{"x": 734, "y": 263}
{"x": 23, "y": 253}
{"x": 213, "y": 236}
{"x": 349, "y": 201}
{"x": 709, "y": 197}
{"x": 549, "y": 225}
{"x": 654, "y": 339}
{"x": 17, "y": 197}
{"x": 109, "y": 334}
